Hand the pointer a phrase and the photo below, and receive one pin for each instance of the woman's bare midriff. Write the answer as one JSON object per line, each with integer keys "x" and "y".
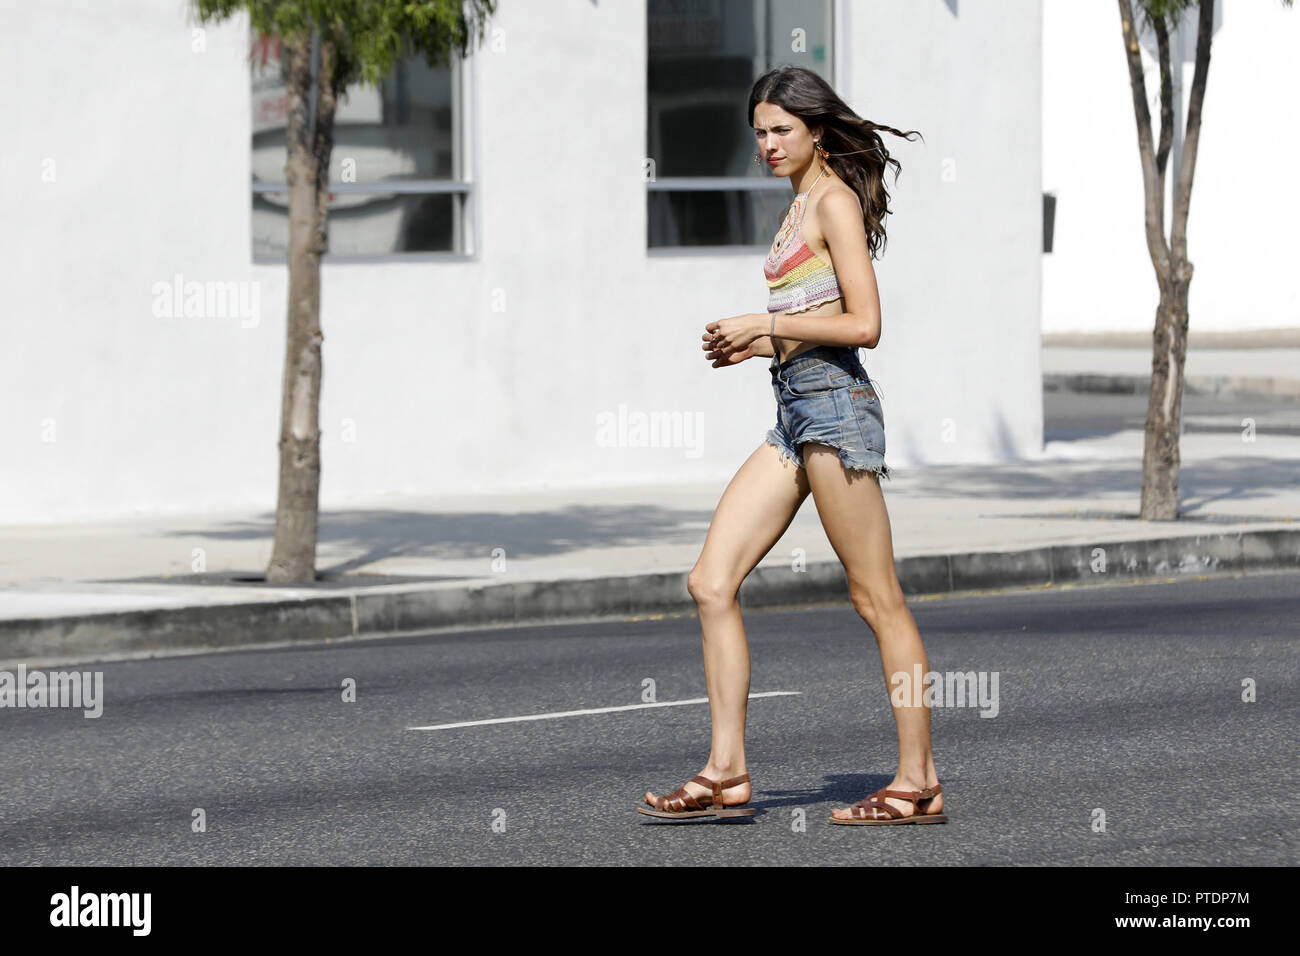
{"x": 789, "y": 348}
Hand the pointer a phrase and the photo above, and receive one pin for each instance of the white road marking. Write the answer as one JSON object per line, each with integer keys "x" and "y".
{"x": 595, "y": 710}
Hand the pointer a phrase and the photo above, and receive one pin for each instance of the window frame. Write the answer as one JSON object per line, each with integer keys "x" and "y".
{"x": 464, "y": 79}
{"x": 839, "y": 16}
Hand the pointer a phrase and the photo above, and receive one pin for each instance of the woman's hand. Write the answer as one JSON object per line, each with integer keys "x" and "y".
{"x": 721, "y": 358}
{"x": 737, "y": 333}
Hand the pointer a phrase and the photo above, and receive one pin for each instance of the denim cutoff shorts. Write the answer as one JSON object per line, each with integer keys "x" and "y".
{"x": 824, "y": 395}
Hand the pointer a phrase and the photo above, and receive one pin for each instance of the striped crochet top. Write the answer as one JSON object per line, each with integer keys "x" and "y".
{"x": 797, "y": 277}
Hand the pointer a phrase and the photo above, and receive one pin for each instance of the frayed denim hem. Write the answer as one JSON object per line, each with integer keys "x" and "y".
{"x": 880, "y": 471}
{"x": 785, "y": 452}
{"x": 876, "y": 464}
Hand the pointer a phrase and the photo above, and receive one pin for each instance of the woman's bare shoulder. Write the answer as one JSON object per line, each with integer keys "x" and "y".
{"x": 840, "y": 200}
{"x": 840, "y": 197}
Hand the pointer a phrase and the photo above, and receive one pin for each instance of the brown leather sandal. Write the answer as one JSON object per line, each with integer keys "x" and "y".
{"x": 864, "y": 811}
{"x": 681, "y": 804}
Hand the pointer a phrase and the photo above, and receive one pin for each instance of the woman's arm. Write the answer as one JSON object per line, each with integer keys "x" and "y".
{"x": 841, "y": 328}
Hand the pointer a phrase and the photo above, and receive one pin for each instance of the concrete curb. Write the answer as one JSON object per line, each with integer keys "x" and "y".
{"x": 1197, "y": 339}
{"x": 360, "y": 614}
{"x": 1288, "y": 388}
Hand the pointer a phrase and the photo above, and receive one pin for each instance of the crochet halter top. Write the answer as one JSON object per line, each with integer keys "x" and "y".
{"x": 797, "y": 277}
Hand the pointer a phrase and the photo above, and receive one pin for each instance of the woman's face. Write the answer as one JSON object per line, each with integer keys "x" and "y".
{"x": 785, "y": 143}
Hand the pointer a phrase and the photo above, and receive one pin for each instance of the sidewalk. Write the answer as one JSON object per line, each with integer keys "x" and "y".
{"x": 125, "y": 589}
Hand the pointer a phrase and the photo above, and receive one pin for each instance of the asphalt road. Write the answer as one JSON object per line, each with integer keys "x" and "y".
{"x": 1123, "y": 698}
{"x": 1071, "y": 415}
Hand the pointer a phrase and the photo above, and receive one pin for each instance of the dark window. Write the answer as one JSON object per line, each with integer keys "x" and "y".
{"x": 703, "y": 187}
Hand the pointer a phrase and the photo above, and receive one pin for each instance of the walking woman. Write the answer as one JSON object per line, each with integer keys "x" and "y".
{"x": 829, "y": 440}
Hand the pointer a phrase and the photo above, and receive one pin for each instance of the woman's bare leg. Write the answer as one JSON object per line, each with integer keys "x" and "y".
{"x": 852, "y": 511}
{"x": 758, "y": 505}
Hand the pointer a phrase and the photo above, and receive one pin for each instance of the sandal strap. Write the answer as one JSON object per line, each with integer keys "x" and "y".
{"x": 861, "y": 808}
{"x": 879, "y": 804}
{"x": 715, "y": 794}
{"x": 689, "y": 802}
{"x": 911, "y": 796}
{"x": 934, "y": 792}
{"x": 681, "y": 799}
{"x": 677, "y": 801}
{"x": 717, "y": 786}
{"x": 865, "y": 809}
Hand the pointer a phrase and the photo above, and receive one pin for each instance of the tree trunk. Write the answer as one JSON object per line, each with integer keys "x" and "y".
{"x": 293, "y": 557}
{"x": 1173, "y": 270}
{"x": 1160, "y": 456}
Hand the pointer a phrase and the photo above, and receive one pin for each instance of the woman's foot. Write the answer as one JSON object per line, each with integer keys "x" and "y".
{"x": 930, "y": 805}
{"x": 731, "y": 796}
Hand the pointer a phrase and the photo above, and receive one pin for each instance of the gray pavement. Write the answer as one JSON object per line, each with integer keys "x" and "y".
{"x": 1121, "y": 701}
{"x": 99, "y": 591}
{"x": 1215, "y": 370}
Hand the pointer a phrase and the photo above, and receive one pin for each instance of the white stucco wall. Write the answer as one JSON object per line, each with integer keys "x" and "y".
{"x": 127, "y": 162}
{"x": 1241, "y": 241}
{"x": 960, "y": 353}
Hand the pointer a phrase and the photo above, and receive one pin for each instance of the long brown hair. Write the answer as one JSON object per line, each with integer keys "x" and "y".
{"x": 857, "y": 153}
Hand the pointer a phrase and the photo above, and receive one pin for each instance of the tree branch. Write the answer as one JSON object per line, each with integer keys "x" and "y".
{"x": 1183, "y": 184}
{"x": 1151, "y": 178}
